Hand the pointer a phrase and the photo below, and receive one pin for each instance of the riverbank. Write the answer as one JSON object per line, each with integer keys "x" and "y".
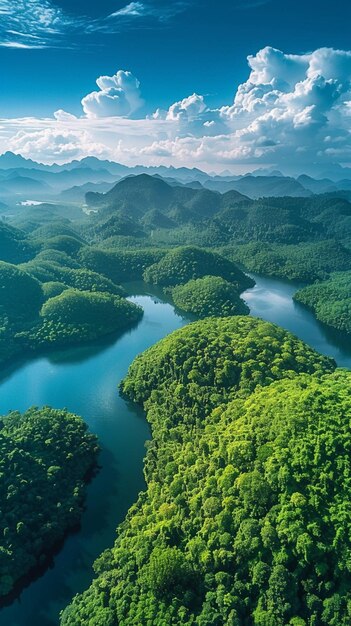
{"x": 85, "y": 380}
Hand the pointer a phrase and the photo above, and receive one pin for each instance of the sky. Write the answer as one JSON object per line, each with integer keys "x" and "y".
{"x": 233, "y": 84}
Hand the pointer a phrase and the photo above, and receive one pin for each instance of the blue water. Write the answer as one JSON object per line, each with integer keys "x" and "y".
{"x": 271, "y": 300}
{"x": 85, "y": 381}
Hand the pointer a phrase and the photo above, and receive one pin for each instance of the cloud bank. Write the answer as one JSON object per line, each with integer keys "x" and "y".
{"x": 294, "y": 111}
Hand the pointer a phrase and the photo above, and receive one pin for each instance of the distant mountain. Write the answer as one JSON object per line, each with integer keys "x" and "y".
{"x": 95, "y": 164}
{"x": 78, "y": 192}
{"x": 58, "y": 181}
{"x": 344, "y": 184}
{"x": 145, "y": 205}
{"x": 336, "y": 172}
{"x": 263, "y": 182}
{"x": 266, "y": 171}
{"x": 23, "y": 185}
{"x": 136, "y": 195}
{"x": 10, "y": 160}
{"x": 324, "y": 185}
{"x": 261, "y": 186}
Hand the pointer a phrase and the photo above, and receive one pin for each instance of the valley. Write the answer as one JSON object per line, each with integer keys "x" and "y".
{"x": 84, "y": 294}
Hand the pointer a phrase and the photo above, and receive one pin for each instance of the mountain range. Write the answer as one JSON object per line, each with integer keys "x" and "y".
{"x": 22, "y": 178}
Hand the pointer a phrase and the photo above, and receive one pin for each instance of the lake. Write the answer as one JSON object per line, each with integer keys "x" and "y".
{"x": 85, "y": 381}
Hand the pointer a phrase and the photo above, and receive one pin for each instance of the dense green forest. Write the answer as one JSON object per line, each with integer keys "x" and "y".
{"x": 142, "y": 219}
{"x": 46, "y": 303}
{"x": 68, "y": 291}
{"x": 302, "y": 262}
{"x": 243, "y": 519}
{"x": 46, "y": 455}
{"x": 330, "y": 300}
{"x": 209, "y": 296}
{"x": 183, "y": 264}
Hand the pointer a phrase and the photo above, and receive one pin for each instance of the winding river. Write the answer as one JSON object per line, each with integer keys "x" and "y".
{"x": 84, "y": 380}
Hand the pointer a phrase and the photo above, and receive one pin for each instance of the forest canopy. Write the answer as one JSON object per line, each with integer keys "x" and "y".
{"x": 330, "y": 300}
{"x": 183, "y": 264}
{"x": 222, "y": 533}
{"x": 209, "y": 296}
{"x": 45, "y": 457}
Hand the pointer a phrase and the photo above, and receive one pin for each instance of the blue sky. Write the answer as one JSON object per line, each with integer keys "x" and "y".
{"x": 53, "y": 52}
{"x": 202, "y": 48}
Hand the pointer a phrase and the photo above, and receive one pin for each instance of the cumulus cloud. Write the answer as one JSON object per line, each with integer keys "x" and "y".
{"x": 64, "y": 116}
{"x": 118, "y": 95}
{"x": 55, "y": 144}
{"x": 192, "y": 115}
{"x": 293, "y": 111}
{"x": 188, "y": 108}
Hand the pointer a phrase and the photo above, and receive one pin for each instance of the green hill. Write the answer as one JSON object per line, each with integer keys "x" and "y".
{"x": 45, "y": 457}
{"x": 183, "y": 264}
{"x": 222, "y": 535}
{"x": 14, "y": 246}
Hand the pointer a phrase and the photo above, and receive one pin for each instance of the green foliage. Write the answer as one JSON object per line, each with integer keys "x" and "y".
{"x": 119, "y": 266}
{"x": 75, "y": 277}
{"x": 84, "y": 307}
{"x": 53, "y": 288}
{"x": 124, "y": 242}
{"x": 167, "y": 572}
{"x": 21, "y": 295}
{"x": 14, "y": 246}
{"x": 330, "y": 300}
{"x": 209, "y": 296}
{"x": 183, "y": 264}
{"x": 64, "y": 243}
{"x": 212, "y": 360}
{"x": 55, "y": 256}
{"x": 263, "y": 221}
{"x": 68, "y": 316}
{"x": 79, "y": 316}
{"x": 243, "y": 518}
{"x": 305, "y": 262}
{"x": 56, "y": 227}
{"x": 45, "y": 457}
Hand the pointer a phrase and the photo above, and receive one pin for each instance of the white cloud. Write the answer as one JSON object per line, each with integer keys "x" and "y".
{"x": 188, "y": 108}
{"x": 118, "y": 95}
{"x": 293, "y": 111}
{"x": 31, "y": 23}
{"x": 134, "y": 9}
{"x": 150, "y": 9}
{"x": 64, "y": 116}
{"x": 292, "y": 108}
{"x": 42, "y": 23}
{"x": 55, "y": 144}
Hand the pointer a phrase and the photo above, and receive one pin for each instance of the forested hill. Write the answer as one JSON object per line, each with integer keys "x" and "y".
{"x": 20, "y": 177}
{"x": 119, "y": 234}
{"x": 243, "y": 520}
{"x": 140, "y": 194}
{"x": 140, "y": 205}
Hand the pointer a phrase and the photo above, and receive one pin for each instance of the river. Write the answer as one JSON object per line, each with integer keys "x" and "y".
{"x": 85, "y": 380}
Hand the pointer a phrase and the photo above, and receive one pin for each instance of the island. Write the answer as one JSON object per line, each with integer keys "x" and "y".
{"x": 47, "y": 456}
